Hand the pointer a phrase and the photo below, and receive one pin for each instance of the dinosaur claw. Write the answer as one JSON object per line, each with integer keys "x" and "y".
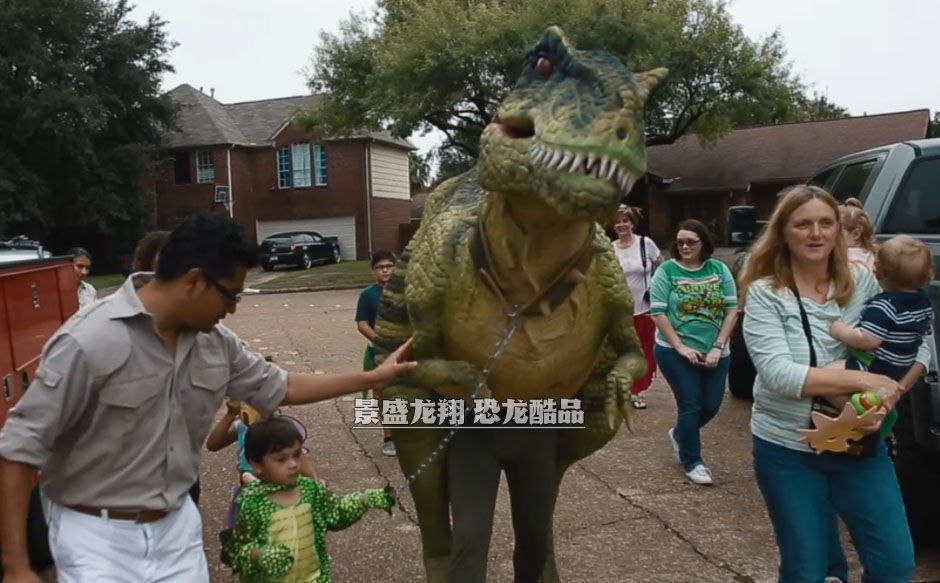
{"x": 612, "y": 414}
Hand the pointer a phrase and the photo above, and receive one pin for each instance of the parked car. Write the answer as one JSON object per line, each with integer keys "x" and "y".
{"x": 301, "y": 249}
{"x": 21, "y": 248}
{"x": 899, "y": 186}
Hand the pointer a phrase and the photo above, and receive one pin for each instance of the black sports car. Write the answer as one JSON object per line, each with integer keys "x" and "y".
{"x": 301, "y": 249}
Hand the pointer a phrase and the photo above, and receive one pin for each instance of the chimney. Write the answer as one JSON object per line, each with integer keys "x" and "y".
{"x": 212, "y": 92}
{"x": 200, "y": 89}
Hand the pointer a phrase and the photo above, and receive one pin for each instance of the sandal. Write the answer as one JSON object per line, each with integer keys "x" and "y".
{"x": 638, "y": 402}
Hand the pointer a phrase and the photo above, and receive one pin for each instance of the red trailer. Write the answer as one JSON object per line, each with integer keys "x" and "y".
{"x": 36, "y": 297}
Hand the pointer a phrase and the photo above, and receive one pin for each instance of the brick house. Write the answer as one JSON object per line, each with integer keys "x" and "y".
{"x": 750, "y": 166}
{"x": 249, "y": 161}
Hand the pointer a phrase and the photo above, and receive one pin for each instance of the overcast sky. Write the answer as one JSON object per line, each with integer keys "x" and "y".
{"x": 870, "y": 56}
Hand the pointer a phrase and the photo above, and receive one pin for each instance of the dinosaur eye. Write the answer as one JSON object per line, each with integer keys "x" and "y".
{"x": 544, "y": 67}
{"x": 622, "y": 134}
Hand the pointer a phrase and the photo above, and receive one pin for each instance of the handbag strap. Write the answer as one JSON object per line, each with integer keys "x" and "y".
{"x": 806, "y": 330}
{"x": 646, "y": 280}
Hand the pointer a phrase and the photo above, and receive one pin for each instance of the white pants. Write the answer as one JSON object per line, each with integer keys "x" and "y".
{"x": 91, "y": 548}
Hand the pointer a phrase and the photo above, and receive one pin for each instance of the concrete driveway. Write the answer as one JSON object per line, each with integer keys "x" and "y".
{"x": 626, "y": 514}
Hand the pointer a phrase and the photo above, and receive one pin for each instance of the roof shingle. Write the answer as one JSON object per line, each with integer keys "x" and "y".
{"x": 780, "y": 152}
{"x": 203, "y": 121}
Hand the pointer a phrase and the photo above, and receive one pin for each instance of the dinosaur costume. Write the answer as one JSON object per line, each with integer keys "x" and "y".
{"x": 292, "y": 539}
{"x": 510, "y": 288}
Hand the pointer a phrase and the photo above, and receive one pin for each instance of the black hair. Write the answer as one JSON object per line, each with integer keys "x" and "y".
{"x": 147, "y": 249}
{"x": 79, "y": 252}
{"x": 697, "y": 227}
{"x": 269, "y": 436}
{"x": 380, "y": 255}
{"x": 214, "y": 243}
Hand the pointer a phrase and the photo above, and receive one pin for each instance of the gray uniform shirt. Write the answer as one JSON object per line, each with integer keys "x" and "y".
{"x": 114, "y": 420}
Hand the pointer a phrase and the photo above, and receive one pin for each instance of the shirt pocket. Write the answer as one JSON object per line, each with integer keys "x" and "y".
{"x": 207, "y": 391}
{"x": 131, "y": 394}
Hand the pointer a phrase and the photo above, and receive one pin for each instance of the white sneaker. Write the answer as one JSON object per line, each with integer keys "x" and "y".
{"x": 834, "y": 580}
{"x": 388, "y": 448}
{"x": 675, "y": 444}
{"x": 700, "y": 475}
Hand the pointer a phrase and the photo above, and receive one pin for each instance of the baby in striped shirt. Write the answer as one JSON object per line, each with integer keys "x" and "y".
{"x": 894, "y": 323}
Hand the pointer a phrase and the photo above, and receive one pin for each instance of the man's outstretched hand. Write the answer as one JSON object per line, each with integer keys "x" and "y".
{"x": 395, "y": 365}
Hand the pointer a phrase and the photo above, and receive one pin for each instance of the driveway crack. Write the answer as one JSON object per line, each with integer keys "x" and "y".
{"x": 737, "y": 576}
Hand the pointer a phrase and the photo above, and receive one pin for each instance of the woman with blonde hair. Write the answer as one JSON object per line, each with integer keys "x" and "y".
{"x": 859, "y": 233}
{"x": 638, "y": 257}
{"x": 796, "y": 283}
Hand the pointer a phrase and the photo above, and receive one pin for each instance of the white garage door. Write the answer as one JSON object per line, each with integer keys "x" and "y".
{"x": 344, "y": 228}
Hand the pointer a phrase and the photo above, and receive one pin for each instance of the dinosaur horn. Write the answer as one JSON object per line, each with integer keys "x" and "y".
{"x": 648, "y": 80}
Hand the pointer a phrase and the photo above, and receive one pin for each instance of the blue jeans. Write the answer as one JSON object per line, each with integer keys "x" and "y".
{"x": 802, "y": 488}
{"x": 698, "y": 391}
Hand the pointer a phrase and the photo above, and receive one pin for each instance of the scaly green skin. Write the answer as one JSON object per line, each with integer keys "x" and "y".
{"x": 562, "y": 152}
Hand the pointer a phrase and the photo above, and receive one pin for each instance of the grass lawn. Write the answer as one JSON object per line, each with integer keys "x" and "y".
{"x": 106, "y": 280}
{"x": 351, "y": 273}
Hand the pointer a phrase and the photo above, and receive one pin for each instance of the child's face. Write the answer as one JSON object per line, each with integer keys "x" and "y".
{"x": 82, "y": 267}
{"x": 280, "y": 467}
{"x": 383, "y": 271}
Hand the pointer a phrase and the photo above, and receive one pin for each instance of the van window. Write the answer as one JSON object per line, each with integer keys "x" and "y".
{"x": 916, "y": 206}
{"x": 822, "y": 179}
{"x": 851, "y": 182}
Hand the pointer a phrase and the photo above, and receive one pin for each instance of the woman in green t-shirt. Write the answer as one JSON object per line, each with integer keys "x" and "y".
{"x": 694, "y": 304}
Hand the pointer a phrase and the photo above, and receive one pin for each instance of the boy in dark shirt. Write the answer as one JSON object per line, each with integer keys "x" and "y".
{"x": 383, "y": 265}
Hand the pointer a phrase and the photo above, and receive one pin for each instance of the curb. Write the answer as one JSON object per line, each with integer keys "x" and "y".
{"x": 290, "y": 290}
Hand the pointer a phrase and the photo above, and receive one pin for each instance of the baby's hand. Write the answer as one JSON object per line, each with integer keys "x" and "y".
{"x": 233, "y": 407}
{"x": 839, "y": 329}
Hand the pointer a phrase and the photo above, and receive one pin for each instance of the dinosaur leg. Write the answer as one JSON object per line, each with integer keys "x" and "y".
{"x": 415, "y": 448}
{"x": 577, "y": 444}
{"x": 473, "y": 471}
{"x": 531, "y": 477}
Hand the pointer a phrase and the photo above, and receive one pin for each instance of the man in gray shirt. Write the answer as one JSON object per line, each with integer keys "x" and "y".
{"x": 122, "y": 402}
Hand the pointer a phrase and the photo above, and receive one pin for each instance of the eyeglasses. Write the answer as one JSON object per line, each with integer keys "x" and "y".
{"x": 687, "y": 242}
{"x": 384, "y": 267}
{"x": 232, "y": 296}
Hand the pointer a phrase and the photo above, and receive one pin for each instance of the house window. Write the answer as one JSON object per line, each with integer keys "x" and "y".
{"x": 300, "y": 159}
{"x": 319, "y": 159}
{"x": 182, "y": 168}
{"x": 205, "y": 166}
{"x": 283, "y": 168}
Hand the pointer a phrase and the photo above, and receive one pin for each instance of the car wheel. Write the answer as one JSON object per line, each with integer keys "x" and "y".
{"x": 918, "y": 471}
{"x": 741, "y": 372}
{"x": 267, "y": 266}
{"x": 336, "y": 255}
{"x": 306, "y": 262}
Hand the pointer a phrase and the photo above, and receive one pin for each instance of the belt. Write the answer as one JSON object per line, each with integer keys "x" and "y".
{"x": 141, "y": 516}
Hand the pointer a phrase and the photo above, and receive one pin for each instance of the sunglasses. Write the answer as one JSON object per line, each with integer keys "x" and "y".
{"x": 232, "y": 296}
{"x": 687, "y": 242}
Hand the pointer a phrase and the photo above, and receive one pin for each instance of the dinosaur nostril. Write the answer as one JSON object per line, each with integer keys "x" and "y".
{"x": 622, "y": 134}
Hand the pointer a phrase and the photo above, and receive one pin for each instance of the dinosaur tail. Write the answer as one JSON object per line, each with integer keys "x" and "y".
{"x": 392, "y": 327}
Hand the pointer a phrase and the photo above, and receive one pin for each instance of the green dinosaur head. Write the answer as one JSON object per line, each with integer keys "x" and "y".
{"x": 570, "y": 132}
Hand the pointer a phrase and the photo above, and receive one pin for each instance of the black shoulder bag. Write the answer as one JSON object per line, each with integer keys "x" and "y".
{"x": 646, "y": 279}
{"x": 865, "y": 447}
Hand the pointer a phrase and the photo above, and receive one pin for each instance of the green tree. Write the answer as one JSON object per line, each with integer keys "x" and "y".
{"x": 81, "y": 118}
{"x": 934, "y": 130}
{"x": 418, "y": 65}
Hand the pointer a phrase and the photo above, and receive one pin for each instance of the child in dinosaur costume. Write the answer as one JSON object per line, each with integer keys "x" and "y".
{"x": 280, "y": 535}
{"x": 511, "y": 290}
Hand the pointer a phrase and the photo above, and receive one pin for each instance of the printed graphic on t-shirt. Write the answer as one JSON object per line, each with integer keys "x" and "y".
{"x": 700, "y": 299}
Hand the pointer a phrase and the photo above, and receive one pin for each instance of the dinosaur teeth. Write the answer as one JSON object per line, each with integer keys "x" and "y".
{"x": 576, "y": 163}
{"x": 565, "y": 160}
{"x": 602, "y": 167}
{"x": 611, "y": 171}
{"x": 589, "y": 165}
{"x": 556, "y": 158}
